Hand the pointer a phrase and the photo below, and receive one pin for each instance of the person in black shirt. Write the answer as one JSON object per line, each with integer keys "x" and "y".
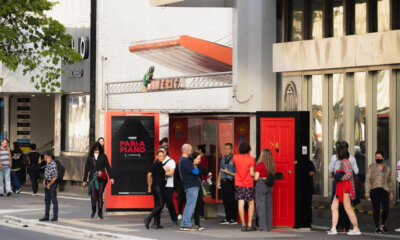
{"x": 17, "y": 165}
{"x": 34, "y": 159}
{"x": 156, "y": 182}
{"x": 96, "y": 166}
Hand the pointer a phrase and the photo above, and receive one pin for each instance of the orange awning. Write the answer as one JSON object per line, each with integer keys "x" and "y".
{"x": 186, "y": 54}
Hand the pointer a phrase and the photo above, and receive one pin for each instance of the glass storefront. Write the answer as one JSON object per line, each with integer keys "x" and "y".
{"x": 77, "y": 123}
{"x": 316, "y": 131}
{"x": 382, "y": 111}
{"x": 337, "y": 107}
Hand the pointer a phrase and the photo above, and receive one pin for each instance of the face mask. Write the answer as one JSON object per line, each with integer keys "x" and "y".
{"x": 379, "y": 161}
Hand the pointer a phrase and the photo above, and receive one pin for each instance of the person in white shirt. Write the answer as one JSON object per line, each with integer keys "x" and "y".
{"x": 169, "y": 166}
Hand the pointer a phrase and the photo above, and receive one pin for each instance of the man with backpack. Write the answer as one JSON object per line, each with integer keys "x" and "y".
{"x": 50, "y": 187}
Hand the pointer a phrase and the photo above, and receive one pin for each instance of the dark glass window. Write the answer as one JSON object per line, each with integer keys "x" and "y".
{"x": 396, "y": 14}
{"x": 295, "y": 20}
{"x": 316, "y": 14}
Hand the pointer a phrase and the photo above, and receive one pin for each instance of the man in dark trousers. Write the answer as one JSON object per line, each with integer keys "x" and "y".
{"x": 50, "y": 187}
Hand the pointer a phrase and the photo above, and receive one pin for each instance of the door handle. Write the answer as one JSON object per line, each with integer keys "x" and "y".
{"x": 290, "y": 172}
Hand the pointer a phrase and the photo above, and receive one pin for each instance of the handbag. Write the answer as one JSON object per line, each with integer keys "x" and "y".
{"x": 339, "y": 173}
{"x": 270, "y": 180}
{"x": 100, "y": 174}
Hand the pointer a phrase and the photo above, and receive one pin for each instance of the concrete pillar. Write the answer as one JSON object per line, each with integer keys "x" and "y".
{"x": 57, "y": 124}
{"x": 254, "y": 34}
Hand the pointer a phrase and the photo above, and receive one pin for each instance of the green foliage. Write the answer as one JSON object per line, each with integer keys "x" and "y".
{"x": 35, "y": 42}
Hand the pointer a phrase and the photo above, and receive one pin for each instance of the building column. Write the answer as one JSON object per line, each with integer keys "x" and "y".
{"x": 57, "y": 125}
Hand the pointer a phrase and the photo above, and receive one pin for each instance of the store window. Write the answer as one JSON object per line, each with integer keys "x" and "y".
{"x": 337, "y": 107}
{"x": 383, "y": 15}
{"x": 77, "y": 123}
{"x": 295, "y": 20}
{"x": 2, "y": 118}
{"x": 382, "y": 111}
{"x": 360, "y": 126}
{"x": 360, "y": 16}
{"x": 315, "y": 107}
{"x": 316, "y": 19}
{"x": 395, "y": 14}
{"x": 337, "y": 14}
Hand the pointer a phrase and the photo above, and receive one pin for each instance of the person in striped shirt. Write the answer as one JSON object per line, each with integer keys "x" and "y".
{"x": 5, "y": 166}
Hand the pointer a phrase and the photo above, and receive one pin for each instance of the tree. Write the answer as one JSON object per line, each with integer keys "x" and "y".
{"x": 35, "y": 42}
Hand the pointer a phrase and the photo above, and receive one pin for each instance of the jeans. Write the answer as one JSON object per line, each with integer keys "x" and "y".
{"x": 16, "y": 185}
{"x": 51, "y": 195}
{"x": 167, "y": 195}
{"x": 380, "y": 197}
{"x": 228, "y": 197}
{"x": 158, "y": 204}
{"x": 191, "y": 199}
{"x": 5, "y": 175}
{"x": 34, "y": 176}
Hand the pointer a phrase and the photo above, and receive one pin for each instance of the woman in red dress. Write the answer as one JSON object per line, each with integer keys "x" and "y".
{"x": 344, "y": 193}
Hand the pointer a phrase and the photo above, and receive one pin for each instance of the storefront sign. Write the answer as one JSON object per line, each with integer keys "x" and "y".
{"x": 165, "y": 84}
{"x": 23, "y": 123}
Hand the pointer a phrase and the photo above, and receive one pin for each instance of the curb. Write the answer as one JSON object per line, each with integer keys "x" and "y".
{"x": 324, "y": 228}
{"x": 66, "y": 229}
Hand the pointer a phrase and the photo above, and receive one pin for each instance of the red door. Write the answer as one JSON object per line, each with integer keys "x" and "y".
{"x": 277, "y": 134}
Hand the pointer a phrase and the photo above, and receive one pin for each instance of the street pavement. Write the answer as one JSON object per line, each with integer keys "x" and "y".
{"x": 19, "y": 214}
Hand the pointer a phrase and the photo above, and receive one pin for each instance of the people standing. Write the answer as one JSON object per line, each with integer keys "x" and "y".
{"x": 168, "y": 191}
{"x": 101, "y": 141}
{"x": 378, "y": 186}
{"x": 97, "y": 168}
{"x": 164, "y": 144}
{"x": 226, "y": 182}
{"x": 156, "y": 182}
{"x": 34, "y": 159}
{"x": 180, "y": 191}
{"x": 17, "y": 162}
{"x": 199, "y": 209}
{"x": 345, "y": 192}
{"x": 50, "y": 187}
{"x": 6, "y": 164}
{"x": 190, "y": 180}
{"x": 265, "y": 167}
{"x": 244, "y": 185}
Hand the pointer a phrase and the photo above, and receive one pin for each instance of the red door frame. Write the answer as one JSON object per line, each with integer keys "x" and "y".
{"x": 129, "y": 201}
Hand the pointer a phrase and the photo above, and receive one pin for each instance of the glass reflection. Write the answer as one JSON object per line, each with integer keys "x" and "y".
{"x": 316, "y": 131}
{"x": 296, "y": 20}
{"x": 360, "y": 16}
{"x": 383, "y": 15}
{"x": 316, "y": 21}
{"x": 337, "y": 103}
{"x": 382, "y": 111}
{"x": 337, "y": 13}
{"x": 78, "y": 124}
{"x": 360, "y": 99}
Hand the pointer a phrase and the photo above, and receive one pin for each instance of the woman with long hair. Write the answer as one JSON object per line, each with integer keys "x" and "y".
{"x": 17, "y": 165}
{"x": 96, "y": 166}
{"x": 345, "y": 192}
{"x": 265, "y": 167}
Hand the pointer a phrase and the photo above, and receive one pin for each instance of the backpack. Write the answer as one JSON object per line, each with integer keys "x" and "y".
{"x": 60, "y": 171}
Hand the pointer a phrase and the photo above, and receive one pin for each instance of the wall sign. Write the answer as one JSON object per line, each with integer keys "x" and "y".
{"x": 24, "y": 123}
{"x": 165, "y": 84}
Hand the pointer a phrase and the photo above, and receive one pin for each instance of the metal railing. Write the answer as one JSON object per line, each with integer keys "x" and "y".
{"x": 189, "y": 82}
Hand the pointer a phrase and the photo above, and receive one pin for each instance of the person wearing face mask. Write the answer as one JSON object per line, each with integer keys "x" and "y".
{"x": 96, "y": 166}
{"x": 378, "y": 186}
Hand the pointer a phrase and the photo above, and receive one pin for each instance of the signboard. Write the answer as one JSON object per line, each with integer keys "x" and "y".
{"x": 24, "y": 123}
{"x": 131, "y": 150}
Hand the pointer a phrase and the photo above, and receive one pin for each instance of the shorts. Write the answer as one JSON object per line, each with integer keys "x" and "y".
{"x": 244, "y": 193}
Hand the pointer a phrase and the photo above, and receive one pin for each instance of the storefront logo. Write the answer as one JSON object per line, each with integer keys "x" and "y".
{"x": 81, "y": 46}
{"x": 242, "y": 129}
{"x": 132, "y": 146}
{"x": 165, "y": 84}
{"x": 178, "y": 128}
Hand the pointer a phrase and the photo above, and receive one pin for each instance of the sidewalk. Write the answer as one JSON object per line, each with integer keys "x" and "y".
{"x": 24, "y": 210}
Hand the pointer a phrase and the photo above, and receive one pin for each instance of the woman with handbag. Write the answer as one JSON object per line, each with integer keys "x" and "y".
{"x": 98, "y": 168}
{"x": 264, "y": 177}
{"x": 345, "y": 192}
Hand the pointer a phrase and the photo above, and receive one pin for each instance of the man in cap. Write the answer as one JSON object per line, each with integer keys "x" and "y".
{"x": 50, "y": 186}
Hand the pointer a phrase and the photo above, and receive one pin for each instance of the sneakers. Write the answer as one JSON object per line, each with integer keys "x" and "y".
{"x": 147, "y": 223}
{"x": 332, "y": 232}
{"x": 34, "y": 194}
{"x": 1, "y": 195}
{"x": 189, "y": 229}
{"x": 384, "y": 229}
{"x": 199, "y": 227}
{"x": 8, "y": 194}
{"x": 397, "y": 230}
{"x": 224, "y": 222}
{"x": 354, "y": 232}
{"x": 180, "y": 217}
{"x": 244, "y": 229}
{"x": 54, "y": 219}
{"x": 43, "y": 219}
{"x": 175, "y": 223}
{"x": 19, "y": 190}
{"x": 232, "y": 222}
{"x": 378, "y": 230}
